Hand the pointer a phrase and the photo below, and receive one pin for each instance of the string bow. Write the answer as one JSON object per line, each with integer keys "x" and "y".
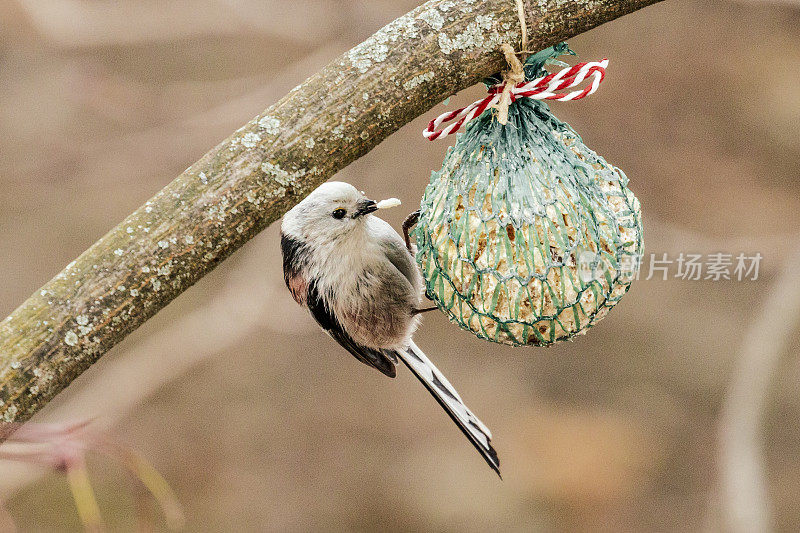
{"x": 546, "y": 87}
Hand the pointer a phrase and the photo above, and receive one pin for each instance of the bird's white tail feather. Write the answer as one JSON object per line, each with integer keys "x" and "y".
{"x": 447, "y": 396}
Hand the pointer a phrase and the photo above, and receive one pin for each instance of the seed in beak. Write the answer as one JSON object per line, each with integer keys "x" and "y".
{"x": 389, "y": 202}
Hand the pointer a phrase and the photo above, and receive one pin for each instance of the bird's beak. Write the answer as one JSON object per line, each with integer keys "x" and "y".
{"x": 364, "y": 207}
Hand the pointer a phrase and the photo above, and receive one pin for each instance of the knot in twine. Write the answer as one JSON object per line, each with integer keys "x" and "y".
{"x": 515, "y": 86}
{"x": 511, "y": 78}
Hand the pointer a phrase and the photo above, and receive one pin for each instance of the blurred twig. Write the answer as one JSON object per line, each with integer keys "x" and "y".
{"x": 64, "y": 447}
{"x": 150, "y": 478}
{"x": 745, "y": 503}
{"x": 252, "y": 178}
{"x": 83, "y": 494}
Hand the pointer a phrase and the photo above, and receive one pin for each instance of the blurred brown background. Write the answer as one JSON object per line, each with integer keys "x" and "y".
{"x": 260, "y": 422}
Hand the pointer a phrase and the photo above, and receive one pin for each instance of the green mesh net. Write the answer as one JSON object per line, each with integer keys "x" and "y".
{"x": 525, "y": 235}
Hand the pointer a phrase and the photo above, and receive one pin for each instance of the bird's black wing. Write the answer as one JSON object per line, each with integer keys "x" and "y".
{"x": 295, "y": 255}
{"x": 383, "y": 360}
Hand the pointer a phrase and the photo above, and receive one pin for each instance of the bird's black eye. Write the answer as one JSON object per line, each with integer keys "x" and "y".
{"x": 339, "y": 213}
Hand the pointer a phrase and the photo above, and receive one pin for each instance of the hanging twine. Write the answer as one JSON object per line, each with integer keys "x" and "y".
{"x": 511, "y": 78}
{"x": 516, "y": 72}
{"x": 515, "y": 86}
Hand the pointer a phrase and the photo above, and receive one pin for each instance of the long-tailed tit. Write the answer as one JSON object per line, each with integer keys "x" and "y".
{"x": 356, "y": 276}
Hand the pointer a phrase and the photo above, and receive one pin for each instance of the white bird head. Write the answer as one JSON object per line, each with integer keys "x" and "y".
{"x": 333, "y": 209}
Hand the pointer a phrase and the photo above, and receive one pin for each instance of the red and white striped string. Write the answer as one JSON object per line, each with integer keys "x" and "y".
{"x": 544, "y": 88}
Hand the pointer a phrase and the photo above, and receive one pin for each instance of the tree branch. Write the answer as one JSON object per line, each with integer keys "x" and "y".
{"x": 745, "y": 501}
{"x": 250, "y": 179}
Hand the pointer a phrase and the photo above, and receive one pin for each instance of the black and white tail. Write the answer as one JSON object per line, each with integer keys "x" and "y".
{"x": 441, "y": 389}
